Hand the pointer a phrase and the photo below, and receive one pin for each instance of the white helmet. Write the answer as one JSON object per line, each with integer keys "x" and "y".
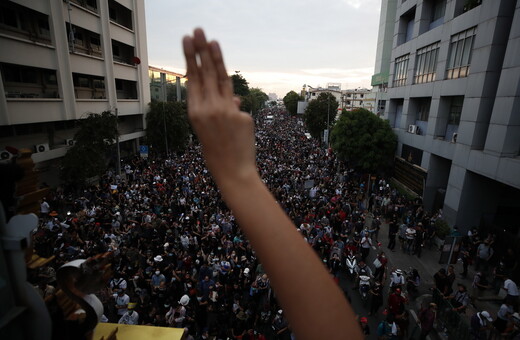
{"x": 185, "y": 299}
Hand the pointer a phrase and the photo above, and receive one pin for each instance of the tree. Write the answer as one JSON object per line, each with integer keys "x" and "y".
{"x": 317, "y": 113}
{"x": 291, "y": 102}
{"x": 240, "y": 85}
{"x": 254, "y": 101}
{"x": 365, "y": 140}
{"x": 171, "y": 92}
{"x": 170, "y": 118}
{"x": 92, "y": 151}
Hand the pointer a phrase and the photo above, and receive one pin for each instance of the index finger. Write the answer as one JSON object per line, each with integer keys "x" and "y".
{"x": 192, "y": 68}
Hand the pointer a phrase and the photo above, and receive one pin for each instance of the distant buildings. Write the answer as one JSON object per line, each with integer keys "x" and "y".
{"x": 62, "y": 59}
{"x": 453, "y": 100}
{"x": 273, "y": 96}
{"x": 347, "y": 99}
{"x": 159, "y": 81}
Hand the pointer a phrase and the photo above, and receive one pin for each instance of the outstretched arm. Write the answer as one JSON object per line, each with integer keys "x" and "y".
{"x": 313, "y": 303}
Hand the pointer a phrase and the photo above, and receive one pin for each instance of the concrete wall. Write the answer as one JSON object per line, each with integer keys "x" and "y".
{"x": 56, "y": 56}
{"x": 488, "y": 142}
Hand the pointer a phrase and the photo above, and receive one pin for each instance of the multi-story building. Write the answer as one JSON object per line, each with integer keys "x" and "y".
{"x": 359, "y": 98}
{"x": 383, "y": 53}
{"x": 454, "y": 102}
{"x": 161, "y": 80}
{"x": 62, "y": 59}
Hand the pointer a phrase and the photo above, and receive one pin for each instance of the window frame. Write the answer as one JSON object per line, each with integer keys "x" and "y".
{"x": 401, "y": 70}
{"x": 459, "y": 57}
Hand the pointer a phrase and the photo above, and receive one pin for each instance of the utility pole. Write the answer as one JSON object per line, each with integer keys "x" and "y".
{"x": 118, "y": 150}
{"x": 163, "y": 81}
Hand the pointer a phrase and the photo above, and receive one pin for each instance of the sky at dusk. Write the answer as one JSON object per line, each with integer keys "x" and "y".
{"x": 277, "y": 45}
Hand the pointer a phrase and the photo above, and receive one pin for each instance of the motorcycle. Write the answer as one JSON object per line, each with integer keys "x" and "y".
{"x": 364, "y": 286}
{"x": 351, "y": 263}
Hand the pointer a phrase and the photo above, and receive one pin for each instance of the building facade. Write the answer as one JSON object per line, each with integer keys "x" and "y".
{"x": 453, "y": 101}
{"x": 359, "y": 98}
{"x": 62, "y": 59}
{"x": 385, "y": 39}
{"x": 164, "y": 84}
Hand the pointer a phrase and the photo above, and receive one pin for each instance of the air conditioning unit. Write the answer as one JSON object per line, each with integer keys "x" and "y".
{"x": 42, "y": 147}
{"x": 454, "y": 137}
{"x": 5, "y": 155}
{"x": 412, "y": 129}
{"x": 70, "y": 142}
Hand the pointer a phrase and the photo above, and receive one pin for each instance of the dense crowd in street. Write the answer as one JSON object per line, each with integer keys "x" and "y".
{"x": 181, "y": 260}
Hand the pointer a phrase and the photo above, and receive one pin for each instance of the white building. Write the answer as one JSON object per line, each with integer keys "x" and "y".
{"x": 359, "y": 98}
{"x": 62, "y": 59}
{"x": 454, "y": 102}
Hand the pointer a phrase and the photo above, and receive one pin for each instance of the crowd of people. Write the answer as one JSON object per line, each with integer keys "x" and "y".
{"x": 181, "y": 260}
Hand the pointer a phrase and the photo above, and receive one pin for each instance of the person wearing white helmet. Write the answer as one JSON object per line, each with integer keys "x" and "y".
{"x": 175, "y": 316}
{"x": 479, "y": 324}
{"x": 397, "y": 279}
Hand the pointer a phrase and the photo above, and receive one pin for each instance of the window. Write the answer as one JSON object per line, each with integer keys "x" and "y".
{"x": 29, "y": 82}
{"x": 85, "y": 41}
{"x": 426, "y": 63}
{"x": 460, "y": 54}
{"x": 87, "y": 86}
{"x": 87, "y": 4}
{"x": 406, "y": 26}
{"x": 120, "y": 14}
{"x": 438, "y": 9}
{"x": 423, "y": 109}
{"x": 22, "y": 22}
{"x": 126, "y": 89}
{"x": 401, "y": 68}
{"x": 122, "y": 53}
{"x": 455, "y": 110}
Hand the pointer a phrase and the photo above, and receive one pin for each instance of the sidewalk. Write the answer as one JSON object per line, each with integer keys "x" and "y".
{"x": 427, "y": 266}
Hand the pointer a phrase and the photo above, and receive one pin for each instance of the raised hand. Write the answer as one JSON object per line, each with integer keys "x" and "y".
{"x": 226, "y": 133}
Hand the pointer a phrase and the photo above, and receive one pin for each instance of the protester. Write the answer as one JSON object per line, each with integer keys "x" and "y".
{"x": 427, "y": 318}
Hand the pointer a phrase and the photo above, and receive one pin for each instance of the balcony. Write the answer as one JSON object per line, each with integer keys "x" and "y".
{"x": 88, "y": 86}
{"x": 123, "y": 53}
{"x": 120, "y": 15}
{"x": 126, "y": 89}
{"x": 90, "y": 5}
{"x": 85, "y": 41}
{"x": 29, "y": 82}
{"x": 21, "y": 22}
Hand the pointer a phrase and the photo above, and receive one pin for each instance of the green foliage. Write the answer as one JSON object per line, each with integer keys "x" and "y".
{"x": 272, "y": 103}
{"x": 318, "y": 111}
{"x": 365, "y": 140}
{"x": 94, "y": 143}
{"x": 240, "y": 85}
{"x": 442, "y": 228}
{"x": 254, "y": 101}
{"x": 291, "y": 102}
{"x": 169, "y": 117}
{"x": 171, "y": 92}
